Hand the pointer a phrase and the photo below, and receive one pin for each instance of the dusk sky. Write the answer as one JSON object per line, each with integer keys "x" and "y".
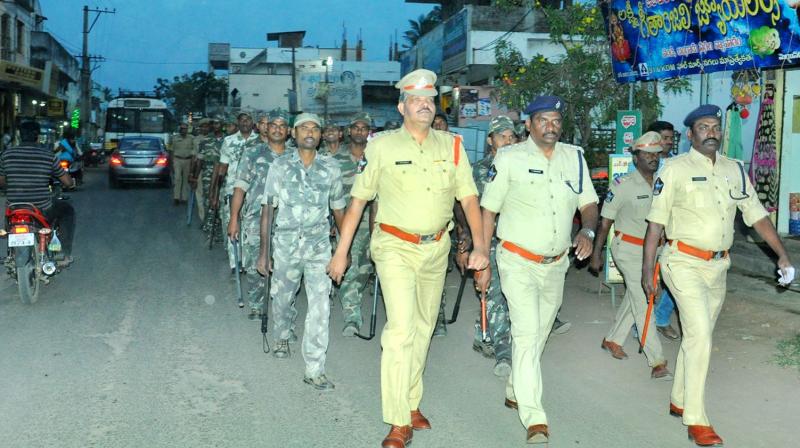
{"x": 148, "y": 39}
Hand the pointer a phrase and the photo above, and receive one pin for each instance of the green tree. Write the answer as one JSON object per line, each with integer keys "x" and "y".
{"x": 424, "y": 24}
{"x": 582, "y": 74}
{"x": 189, "y": 93}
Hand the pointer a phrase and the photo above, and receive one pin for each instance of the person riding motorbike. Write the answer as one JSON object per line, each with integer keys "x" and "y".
{"x": 25, "y": 172}
{"x": 68, "y": 150}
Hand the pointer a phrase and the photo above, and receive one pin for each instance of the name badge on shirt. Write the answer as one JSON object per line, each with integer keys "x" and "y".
{"x": 699, "y": 179}
{"x": 535, "y": 171}
{"x": 403, "y": 162}
{"x": 644, "y": 196}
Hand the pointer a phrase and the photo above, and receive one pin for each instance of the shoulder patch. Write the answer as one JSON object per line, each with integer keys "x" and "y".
{"x": 658, "y": 185}
{"x": 491, "y": 174}
{"x": 362, "y": 164}
{"x": 609, "y": 196}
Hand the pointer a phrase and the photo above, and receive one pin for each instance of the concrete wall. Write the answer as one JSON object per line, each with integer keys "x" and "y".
{"x": 790, "y": 150}
{"x": 261, "y": 92}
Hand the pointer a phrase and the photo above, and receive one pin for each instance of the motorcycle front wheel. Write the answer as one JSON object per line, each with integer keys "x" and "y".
{"x": 27, "y": 281}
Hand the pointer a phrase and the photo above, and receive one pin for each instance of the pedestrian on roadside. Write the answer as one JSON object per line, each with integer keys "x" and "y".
{"x": 248, "y": 193}
{"x": 181, "y": 153}
{"x": 303, "y": 185}
{"x": 498, "y": 347}
{"x": 537, "y": 184}
{"x": 666, "y": 304}
{"x": 230, "y": 155}
{"x": 417, "y": 172}
{"x": 695, "y": 197}
{"x": 626, "y": 206}
{"x": 351, "y": 291}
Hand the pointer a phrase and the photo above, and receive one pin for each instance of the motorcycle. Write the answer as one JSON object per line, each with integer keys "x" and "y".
{"x": 95, "y": 155}
{"x": 72, "y": 163}
{"x": 32, "y": 246}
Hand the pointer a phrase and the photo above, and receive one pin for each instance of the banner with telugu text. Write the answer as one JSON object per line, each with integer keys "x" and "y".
{"x": 656, "y": 39}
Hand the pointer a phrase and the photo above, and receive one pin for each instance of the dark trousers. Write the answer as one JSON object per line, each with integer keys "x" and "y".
{"x": 62, "y": 216}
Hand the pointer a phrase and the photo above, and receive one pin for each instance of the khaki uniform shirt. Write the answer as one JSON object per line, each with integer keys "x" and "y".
{"x": 537, "y": 197}
{"x": 627, "y": 204}
{"x": 415, "y": 184}
{"x": 183, "y": 147}
{"x": 696, "y": 200}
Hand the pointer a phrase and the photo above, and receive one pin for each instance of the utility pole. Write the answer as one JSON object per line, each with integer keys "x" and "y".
{"x": 86, "y": 70}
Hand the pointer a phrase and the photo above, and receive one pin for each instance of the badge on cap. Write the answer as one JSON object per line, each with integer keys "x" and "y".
{"x": 362, "y": 163}
{"x": 558, "y": 105}
{"x": 491, "y": 174}
{"x": 658, "y": 186}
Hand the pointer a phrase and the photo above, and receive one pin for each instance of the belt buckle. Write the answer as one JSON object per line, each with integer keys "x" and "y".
{"x": 549, "y": 260}
{"x": 718, "y": 255}
{"x": 427, "y": 238}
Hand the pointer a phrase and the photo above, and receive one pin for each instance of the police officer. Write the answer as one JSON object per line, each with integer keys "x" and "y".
{"x": 198, "y": 140}
{"x": 665, "y": 305}
{"x": 626, "y": 206}
{"x": 536, "y": 187}
{"x": 230, "y": 154}
{"x": 695, "y": 197}
{"x": 355, "y": 279}
{"x": 501, "y": 134}
{"x": 207, "y": 157}
{"x": 417, "y": 172}
{"x": 302, "y": 185}
{"x": 248, "y": 190}
{"x": 181, "y": 152}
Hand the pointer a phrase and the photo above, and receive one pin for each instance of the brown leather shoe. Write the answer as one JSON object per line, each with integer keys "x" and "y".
{"x": 661, "y": 372}
{"x": 418, "y": 421}
{"x": 704, "y": 436}
{"x": 399, "y": 437}
{"x": 615, "y": 349}
{"x": 537, "y": 434}
{"x": 668, "y": 332}
{"x": 511, "y": 404}
{"x": 675, "y": 411}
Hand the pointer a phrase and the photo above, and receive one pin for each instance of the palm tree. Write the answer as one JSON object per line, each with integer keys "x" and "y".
{"x": 424, "y": 24}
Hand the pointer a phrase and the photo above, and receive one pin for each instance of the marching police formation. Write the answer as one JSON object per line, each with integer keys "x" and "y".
{"x": 329, "y": 211}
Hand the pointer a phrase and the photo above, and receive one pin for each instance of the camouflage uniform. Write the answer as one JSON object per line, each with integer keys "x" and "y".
{"x": 301, "y": 247}
{"x": 355, "y": 279}
{"x": 230, "y": 154}
{"x": 251, "y": 177}
{"x": 208, "y": 155}
{"x": 499, "y": 325}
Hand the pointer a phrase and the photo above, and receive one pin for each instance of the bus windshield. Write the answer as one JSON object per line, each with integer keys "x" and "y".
{"x": 136, "y": 120}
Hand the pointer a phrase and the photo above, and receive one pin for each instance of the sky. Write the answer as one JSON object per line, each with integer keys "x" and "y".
{"x": 149, "y": 39}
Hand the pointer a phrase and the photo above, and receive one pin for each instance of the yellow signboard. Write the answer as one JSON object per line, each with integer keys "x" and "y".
{"x": 22, "y": 74}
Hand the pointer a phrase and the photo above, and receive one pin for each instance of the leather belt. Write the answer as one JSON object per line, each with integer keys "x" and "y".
{"x": 700, "y": 253}
{"x": 182, "y": 158}
{"x": 414, "y": 238}
{"x": 528, "y": 255}
{"x": 629, "y": 238}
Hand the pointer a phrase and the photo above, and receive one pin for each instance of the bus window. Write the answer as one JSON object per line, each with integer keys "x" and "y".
{"x": 152, "y": 121}
{"x": 120, "y": 120}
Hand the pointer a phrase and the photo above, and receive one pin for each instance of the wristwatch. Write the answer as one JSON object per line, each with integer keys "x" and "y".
{"x": 589, "y": 232}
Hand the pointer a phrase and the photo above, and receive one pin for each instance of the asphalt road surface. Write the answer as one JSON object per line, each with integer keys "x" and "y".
{"x": 140, "y": 344}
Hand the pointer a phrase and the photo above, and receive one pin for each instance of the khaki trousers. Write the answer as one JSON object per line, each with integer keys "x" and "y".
{"x": 633, "y": 308}
{"x": 412, "y": 278}
{"x": 699, "y": 290}
{"x": 199, "y": 201}
{"x": 534, "y": 292}
{"x": 180, "y": 188}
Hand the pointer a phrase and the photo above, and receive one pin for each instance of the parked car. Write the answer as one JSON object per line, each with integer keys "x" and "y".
{"x": 139, "y": 160}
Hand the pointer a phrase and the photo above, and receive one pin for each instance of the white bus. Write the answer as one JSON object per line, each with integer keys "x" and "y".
{"x": 135, "y": 114}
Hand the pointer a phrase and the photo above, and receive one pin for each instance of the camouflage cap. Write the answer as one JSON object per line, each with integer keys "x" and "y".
{"x": 362, "y": 117}
{"x": 389, "y": 125}
{"x": 500, "y": 123}
{"x": 648, "y": 142}
{"x": 420, "y": 82}
{"x": 276, "y": 114}
{"x": 306, "y": 117}
{"x": 519, "y": 129}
